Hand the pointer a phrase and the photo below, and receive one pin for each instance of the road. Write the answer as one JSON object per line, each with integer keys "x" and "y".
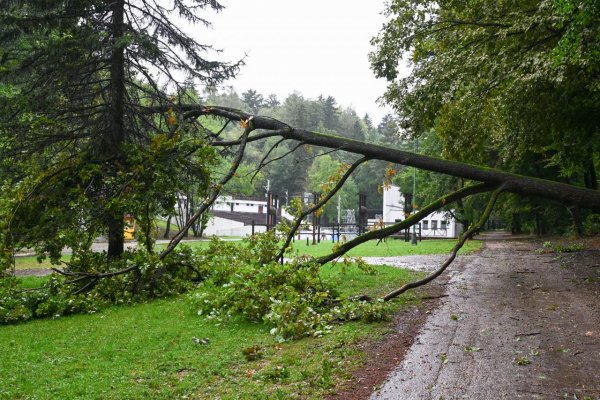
{"x": 516, "y": 325}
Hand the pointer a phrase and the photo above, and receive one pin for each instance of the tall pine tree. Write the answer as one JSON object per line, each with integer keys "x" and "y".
{"x": 79, "y": 148}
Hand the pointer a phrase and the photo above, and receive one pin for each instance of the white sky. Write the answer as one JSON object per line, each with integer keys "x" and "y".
{"x": 310, "y": 46}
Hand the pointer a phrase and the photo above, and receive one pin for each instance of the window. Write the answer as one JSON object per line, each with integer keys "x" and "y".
{"x": 444, "y": 224}
{"x": 425, "y": 224}
{"x": 434, "y": 224}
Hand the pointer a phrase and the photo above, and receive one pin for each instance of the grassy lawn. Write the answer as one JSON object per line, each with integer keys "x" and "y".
{"x": 389, "y": 248}
{"x": 373, "y": 248}
{"x": 31, "y": 262}
{"x": 146, "y": 351}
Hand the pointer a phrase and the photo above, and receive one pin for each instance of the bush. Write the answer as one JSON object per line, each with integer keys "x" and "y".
{"x": 152, "y": 278}
{"x": 51, "y": 300}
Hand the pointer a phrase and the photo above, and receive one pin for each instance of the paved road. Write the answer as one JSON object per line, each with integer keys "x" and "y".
{"x": 516, "y": 324}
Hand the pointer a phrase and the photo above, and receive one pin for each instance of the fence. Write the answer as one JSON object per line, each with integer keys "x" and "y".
{"x": 336, "y": 232}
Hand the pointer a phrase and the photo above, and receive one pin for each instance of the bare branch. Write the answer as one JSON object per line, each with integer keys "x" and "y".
{"x": 459, "y": 244}
{"x": 317, "y": 206}
{"x": 408, "y": 222}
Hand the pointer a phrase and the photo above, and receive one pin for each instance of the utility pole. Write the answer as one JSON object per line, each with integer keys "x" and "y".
{"x": 268, "y": 187}
{"x": 414, "y": 196}
{"x": 339, "y": 208}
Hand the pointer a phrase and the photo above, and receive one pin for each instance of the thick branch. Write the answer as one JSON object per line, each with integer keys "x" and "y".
{"x": 410, "y": 221}
{"x": 94, "y": 278}
{"x": 459, "y": 244}
{"x": 208, "y": 202}
{"x": 320, "y": 204}
{"x": 524, "y": 185}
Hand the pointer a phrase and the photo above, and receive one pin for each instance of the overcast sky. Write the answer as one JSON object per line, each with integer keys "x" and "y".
{"x": 311, "y": 46}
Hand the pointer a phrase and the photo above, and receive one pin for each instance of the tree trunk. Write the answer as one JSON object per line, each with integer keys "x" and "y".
{"x": 514, "y": 183}
{"x": 578, "y": 221}
{"x": 116, "y": 240}
{"x": 168, "y": 229}
{"x": 590, "y": 178}
{"x": 116, "y": 135}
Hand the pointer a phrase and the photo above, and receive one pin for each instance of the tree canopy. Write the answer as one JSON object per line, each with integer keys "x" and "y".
{"x": 513, "y": 77}
{"x": 78, "y": 148}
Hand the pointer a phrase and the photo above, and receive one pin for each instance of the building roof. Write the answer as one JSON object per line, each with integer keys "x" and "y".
{"x": 246, "y": 218}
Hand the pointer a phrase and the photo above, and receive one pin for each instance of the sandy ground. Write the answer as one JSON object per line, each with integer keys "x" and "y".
{"x": 515, "y": 325}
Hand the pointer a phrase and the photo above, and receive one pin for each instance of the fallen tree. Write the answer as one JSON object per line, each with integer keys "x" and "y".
{"x": 257, "y": 128}
{"x": 489, "y": 179}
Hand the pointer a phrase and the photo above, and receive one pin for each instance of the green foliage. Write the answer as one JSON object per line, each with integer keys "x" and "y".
{"x": 53, "y": 299}
{"x": 151, "y": 278}
{"x": 324, "y": 174}
{"x": 511, "y": 84}
{"x": 591, "y": 224}
{"x": 290, "y": 297}
{"x": 564, "y": 248}
{"x": 82, "y": 147}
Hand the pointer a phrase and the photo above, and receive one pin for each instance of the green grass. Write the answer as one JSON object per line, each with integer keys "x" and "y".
{"x": 146, "y": 351}
{"x": 32, "y": 282}
{"x": 374, "y": 248}
{"x": 389, "y": 248}
{"x": 31, "y": 262}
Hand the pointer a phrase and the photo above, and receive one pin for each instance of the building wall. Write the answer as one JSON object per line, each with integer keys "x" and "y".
{"x": 393, "y": 204}
{"x": 228, "y": 203}
{"x": 435, "y": 225}
{"x": 218, "y": 226}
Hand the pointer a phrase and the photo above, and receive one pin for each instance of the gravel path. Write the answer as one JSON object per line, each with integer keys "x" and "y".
{"x": 515, "y": 325}
{"x": 415, "y": 263}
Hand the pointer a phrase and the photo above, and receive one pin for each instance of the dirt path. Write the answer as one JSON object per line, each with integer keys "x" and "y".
{"x": 515, "y": 324}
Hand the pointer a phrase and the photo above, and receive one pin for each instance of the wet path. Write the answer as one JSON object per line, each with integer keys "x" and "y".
{"x": 516, "y": 324}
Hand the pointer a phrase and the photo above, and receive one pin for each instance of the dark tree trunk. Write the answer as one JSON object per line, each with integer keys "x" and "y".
{"x": 116, "y": 241}
{"x": 168, "y": 229}
{"x": 515, "y": 224}
{"x": 590, "y": 178}
{"x": 578, "y": 221}
{"x": 116, "y": 135}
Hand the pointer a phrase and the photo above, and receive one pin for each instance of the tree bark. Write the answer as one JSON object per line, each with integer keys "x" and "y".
{"x": 526, "y": 186}
{"x": 116, "y": 134}
{"x": 116, "y": 242}
{"x": 168, "y": 228}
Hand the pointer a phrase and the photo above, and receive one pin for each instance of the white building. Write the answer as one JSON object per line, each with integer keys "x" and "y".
{"x": 230, "y": 204}
{"x": 236, "y": 216}
{"x": 226, "y": 223}
{"x": 438, "y": 224}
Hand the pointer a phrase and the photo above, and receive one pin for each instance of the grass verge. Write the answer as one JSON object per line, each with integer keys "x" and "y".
{"x": 146, "y": 350}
